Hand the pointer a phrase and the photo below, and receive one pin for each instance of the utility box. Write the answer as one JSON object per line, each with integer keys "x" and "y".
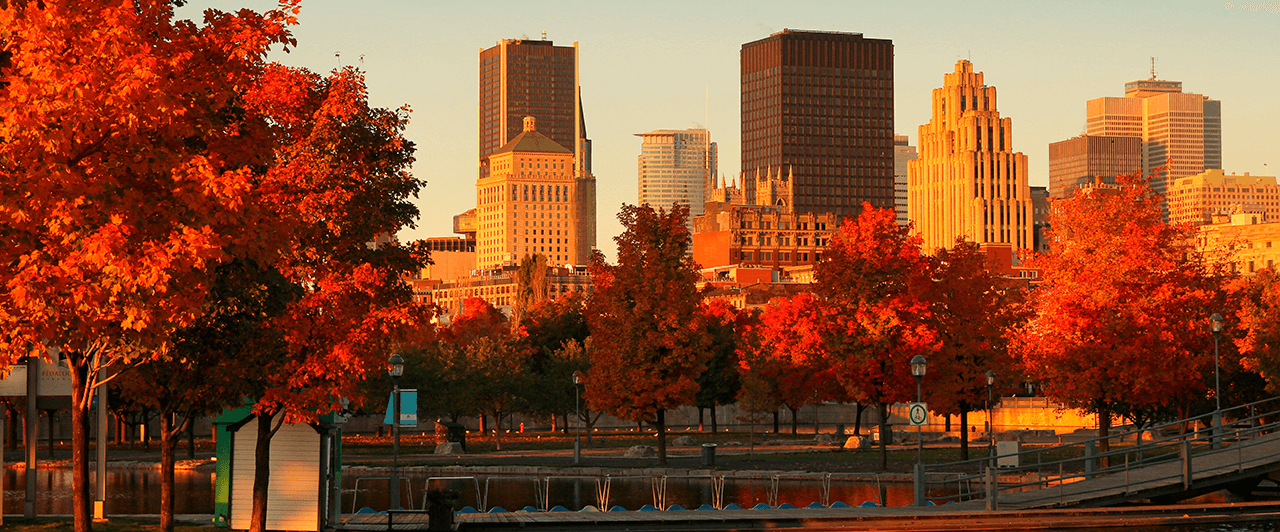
{"x": 1007, "y": 454}
{"x": 306, "y": 472}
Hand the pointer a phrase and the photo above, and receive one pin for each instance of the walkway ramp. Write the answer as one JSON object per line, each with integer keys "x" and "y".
{"x": 1240, "y": 454}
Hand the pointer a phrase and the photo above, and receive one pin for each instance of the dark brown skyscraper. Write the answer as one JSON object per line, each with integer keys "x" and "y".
{"x": 819, "y": 105}
{"x": 522, "y": 77}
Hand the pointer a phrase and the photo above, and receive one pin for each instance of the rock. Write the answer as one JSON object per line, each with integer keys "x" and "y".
{"x": 641, "y": 451}
{"x": 858, "y": 442}
{"x": 450, "y": 447}
{"x": 732, "y": 444}
{"x": 824, "y": 438}
{"x": 683, "y": 441}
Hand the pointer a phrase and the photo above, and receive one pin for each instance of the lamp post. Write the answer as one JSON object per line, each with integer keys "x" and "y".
{"x": 577, "y": 425}
{"x": 395, "y": 369}
{"x": 1215, "y": 324}
{"x": 991, "y": 423}
{"x": 918, "y": 367}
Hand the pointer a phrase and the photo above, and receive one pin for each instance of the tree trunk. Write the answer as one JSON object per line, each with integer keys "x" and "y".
{"x": 80, "y": 390}
{"x": 795, "y": 422}
{"x": 191, "y": 439}
{"x": 261, "y": 474}
{"x": 884, "y": 436}
{"x": 662, "y": 437}
{"x": 497, "y": 429}
{"x": 1104, "y": 430}
{"x": 714, "y": 426}
{"x": 701, "y": 425}
{"x": 964, "y": 434}
{"x": 857, "y": 418}
{"x": 168, "y": 442}
{"x": 775, "y": 422}
{"x": 482, "y": 424}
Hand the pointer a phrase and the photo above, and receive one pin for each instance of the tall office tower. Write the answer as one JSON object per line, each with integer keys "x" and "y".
{"x": 1181, "y": 130}
{"x": 533, "y": 203}
{"x": 819, "y": 105}
{"x": 523, "y": 77}
{"x": 677, "y": 166}
{"x": 1084, "y": 159}
{"x": 968, "y": 181}
{"x": 903, "y": 153}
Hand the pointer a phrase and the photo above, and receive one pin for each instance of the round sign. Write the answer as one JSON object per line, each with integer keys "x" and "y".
{"x": 918, "y": 413}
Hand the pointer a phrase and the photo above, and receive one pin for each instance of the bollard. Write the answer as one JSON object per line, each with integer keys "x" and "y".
{"x": 1186, "y": 465}
{"x": 919, "y": 487}
{"x": 708, "y": 455}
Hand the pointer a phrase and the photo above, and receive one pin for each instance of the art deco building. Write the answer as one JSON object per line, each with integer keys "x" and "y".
{"x": 821, "y": 105}
{"x": 676, "y": 166}
{"x": 1084, "y": 159}
{"x": 1198, "y": 198}
{"x": 903, "y": 153}
{"x": 1180, "y": 130}
{"x": 533, "y": 203}
{"x": 968, "y": 181}
{"x": 524, "y": 77}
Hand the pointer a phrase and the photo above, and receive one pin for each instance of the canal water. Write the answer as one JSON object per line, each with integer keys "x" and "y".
{"x": 138, "y": 492}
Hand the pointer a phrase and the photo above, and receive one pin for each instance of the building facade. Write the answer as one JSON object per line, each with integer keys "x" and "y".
{"x": 1196, "y": 199}
{"x": 532, "y": 203}
{"x": 1242, "y": 239}
{"x": 821, "y": 105}
{"x": 1083, "y": 159}
{"x": 768, "y": 234}
{"x": 968, "y": 181}
{"x": 525, "y": 77}
{"x": 903, "y": 153}
{"x": 676, "y": 166}
{"x": 498, "y": 287}
{"x": 1181, "y": 131}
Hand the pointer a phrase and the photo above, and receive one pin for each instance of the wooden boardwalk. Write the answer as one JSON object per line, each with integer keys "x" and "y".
{"x": 908, "y": 518}
{"x": 1211, "y": 470}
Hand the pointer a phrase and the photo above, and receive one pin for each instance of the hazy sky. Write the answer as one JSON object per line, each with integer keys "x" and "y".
{"x": 651, "y": 65}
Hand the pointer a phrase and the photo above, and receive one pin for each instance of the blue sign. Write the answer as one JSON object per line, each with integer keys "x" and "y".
{"x": 408, "y": 408}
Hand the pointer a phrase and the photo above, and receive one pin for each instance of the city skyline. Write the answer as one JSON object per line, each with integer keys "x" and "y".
{"x": 648, "y": 69}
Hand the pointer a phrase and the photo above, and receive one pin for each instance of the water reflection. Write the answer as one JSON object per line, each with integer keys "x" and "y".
{"x": 129, "y": 491}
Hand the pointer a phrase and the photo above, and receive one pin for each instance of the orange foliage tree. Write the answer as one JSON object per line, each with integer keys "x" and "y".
{"x": 787, "y": 352}
{"x": 1119, "y": 322}
{"x": 972, "y": 311}
{"x": 648, "y": 350}
{"x": 127, "y": 177}
{"x": 720, "y": 383}
{"x": 1259, "y": 323}
{"x": 876, "y": 279}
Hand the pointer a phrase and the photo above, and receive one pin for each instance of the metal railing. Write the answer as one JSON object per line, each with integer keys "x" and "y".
{"x": 1058, "y": 466}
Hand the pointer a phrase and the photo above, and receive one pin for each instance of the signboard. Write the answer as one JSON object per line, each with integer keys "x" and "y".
{"x": 54, "y": 380}
{"x": 918, "y": 414}
{"x": 408, "y": 408}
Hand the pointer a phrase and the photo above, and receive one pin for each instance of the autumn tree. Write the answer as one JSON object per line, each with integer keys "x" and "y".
{"x": 971, "y": 310}
{"x": 128, "y": 177}
{"x": 647, "y": 347}
{"x": 788, "y": 353}
{"x": 478, "y": 332}
{"x": 543, "y": 334}
{"x": 720, "y": 382}
{"x": 1120, "y": 318}
{"x": 1259, "y": 325}
{"x": 876, "y": 279}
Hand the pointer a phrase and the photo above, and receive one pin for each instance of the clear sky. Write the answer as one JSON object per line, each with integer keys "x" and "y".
{"x": 656, "y": 64}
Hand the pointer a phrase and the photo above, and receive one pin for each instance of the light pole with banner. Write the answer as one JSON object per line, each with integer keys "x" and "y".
{"x": 395, "y": 368}
{"x": 991, "y": 422}
{"x": 577, "y": 424}
{"x": 1215, "y": 325}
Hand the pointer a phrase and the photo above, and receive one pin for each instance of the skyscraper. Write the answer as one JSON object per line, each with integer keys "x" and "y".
{"x": 819, "y": 105}
{"x": 1181, "y": 130}
{"x": 523, "y": 77}
{"x": 676, "y": 166}
{"x": 903, "y": 153}
{"x": 968, "y": 181}
{"x": 531, "y": 203}
{"x": 1084, "y": 159}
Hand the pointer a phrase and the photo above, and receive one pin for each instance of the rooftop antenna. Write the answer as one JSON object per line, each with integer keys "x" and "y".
{"x": 1153, "y": 68}
{"x": 709, "y": 180}
{"x": 544, "y": 35}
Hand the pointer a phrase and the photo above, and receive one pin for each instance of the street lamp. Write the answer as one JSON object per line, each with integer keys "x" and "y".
{"x": 395, "y": 369}
{"x": 1215, "y": 324}
{"x": 991, "y": 424}
{"x": 918, "y": 368}
{"x": 577, "y": 425}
